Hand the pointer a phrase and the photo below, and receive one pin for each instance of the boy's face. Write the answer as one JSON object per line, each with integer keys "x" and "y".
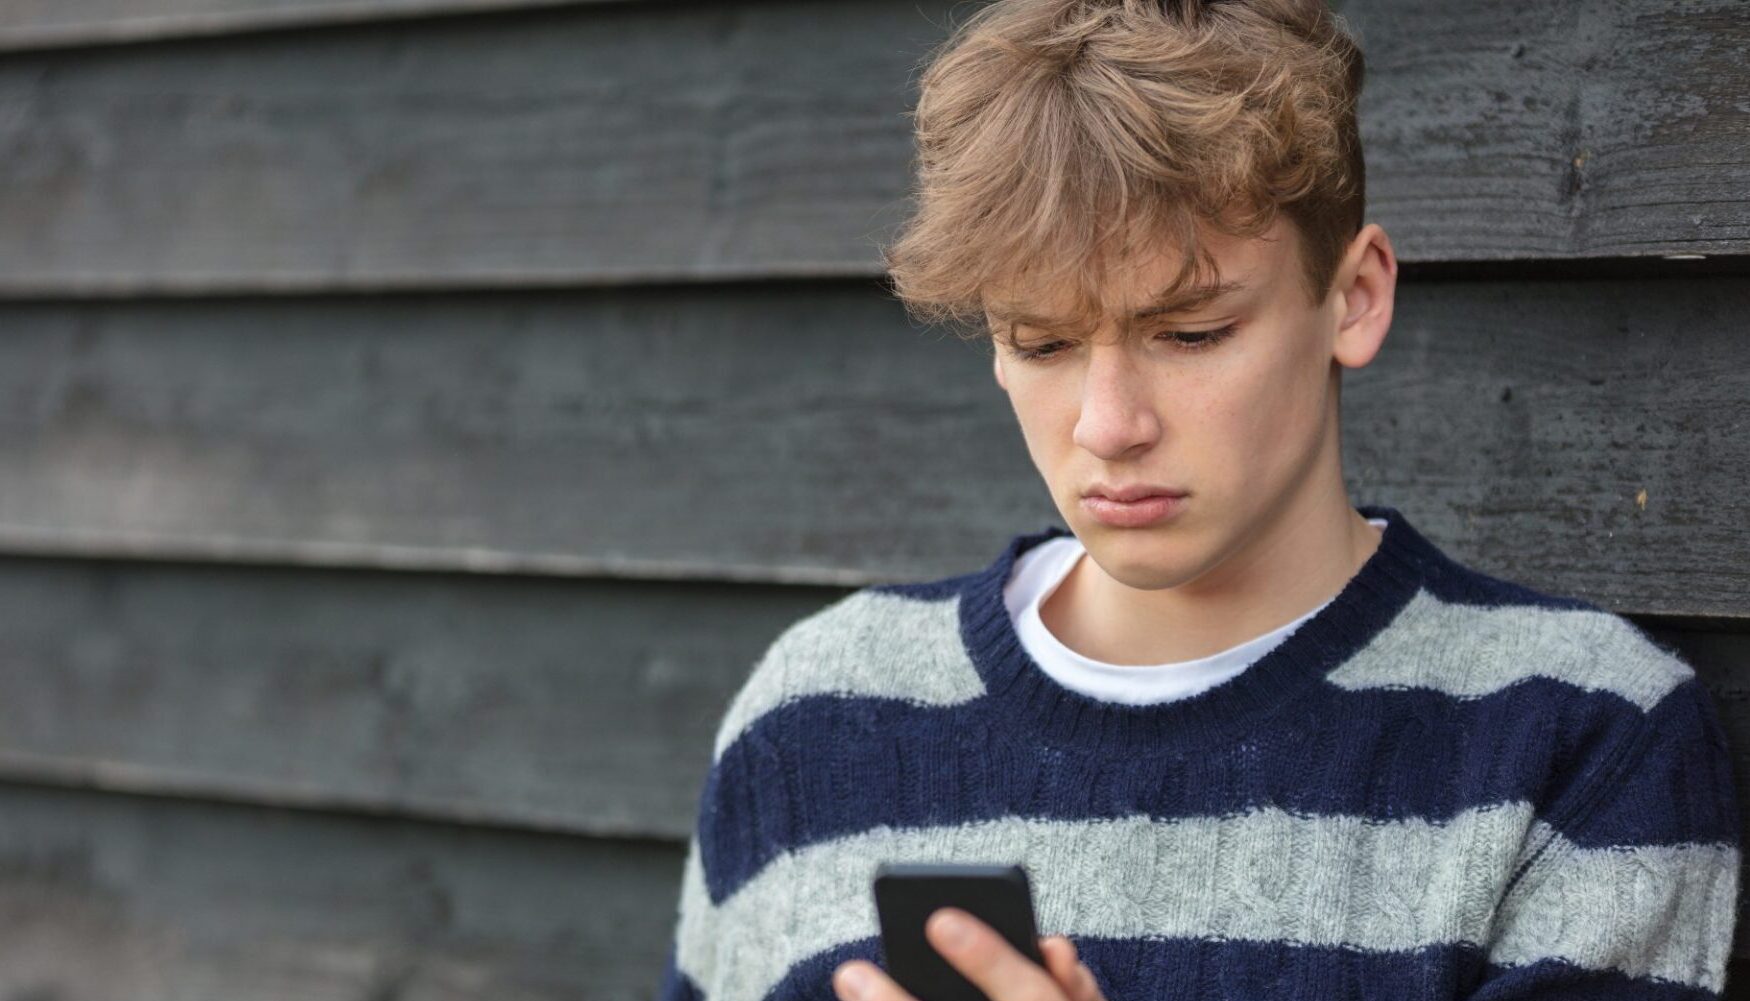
{"x": 1232, "y": 404}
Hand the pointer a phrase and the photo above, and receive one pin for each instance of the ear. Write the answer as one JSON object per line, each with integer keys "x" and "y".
{"x": 1367, "y": 283}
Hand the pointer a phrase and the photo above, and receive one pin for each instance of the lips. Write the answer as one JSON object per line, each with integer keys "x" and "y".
{"x": 1144, "y": 509}
{"x": 1132, "y": 492}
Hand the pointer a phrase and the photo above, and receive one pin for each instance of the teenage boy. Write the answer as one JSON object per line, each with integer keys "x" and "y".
{"x": 1248, "y": 741}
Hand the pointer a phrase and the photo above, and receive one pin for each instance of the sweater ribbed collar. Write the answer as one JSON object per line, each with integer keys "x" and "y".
{"x": 1026, "y": 698}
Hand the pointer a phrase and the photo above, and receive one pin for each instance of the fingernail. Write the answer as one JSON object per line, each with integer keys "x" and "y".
{"x": 855, "y": 981}
{"x": 954, "y": 928}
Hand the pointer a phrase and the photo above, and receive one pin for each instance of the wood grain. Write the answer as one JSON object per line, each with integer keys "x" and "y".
{"x": 585, "y": 707}
{"x": 806, "y": 434}
{"x": 43, "y": 24}
{"x": 120, "y": 898}
{"x": 642, "y": 142}
{"x": 1498, "y": 130}
{"x": 599, "y": 144}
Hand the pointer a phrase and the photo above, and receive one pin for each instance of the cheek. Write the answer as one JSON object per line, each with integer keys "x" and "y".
{"x": 1046, "y": 420}
{"x": 1263, "y": 407}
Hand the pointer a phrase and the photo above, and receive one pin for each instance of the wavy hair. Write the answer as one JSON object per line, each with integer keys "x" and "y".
{"x": 1056, "y": 137}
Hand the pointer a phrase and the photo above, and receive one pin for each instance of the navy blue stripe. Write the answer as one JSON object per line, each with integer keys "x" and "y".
{"x": 1201, "y": 969}
{"x": 822, "y": 767}
{"x": 1674, "y": 787}
{"x": 1558, "y": 980}
{"x": 1178, "y": 969}
{"x": 811, "y": 979}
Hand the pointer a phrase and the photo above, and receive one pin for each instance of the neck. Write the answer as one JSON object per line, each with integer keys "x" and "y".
{"x": 1300, "y": 561}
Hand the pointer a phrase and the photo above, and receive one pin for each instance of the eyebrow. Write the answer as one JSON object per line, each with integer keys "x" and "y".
{"x": 1197, "y": 295}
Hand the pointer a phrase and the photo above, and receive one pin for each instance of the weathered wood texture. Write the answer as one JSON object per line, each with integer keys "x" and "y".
{"x": 1501, "y": 130}
{"x": 604, "y": 143}
{"x": 1581, "y": 437}
{"x": 118, "y": 898}
{"x": 579, "y": 706}
{"x": 37, "y": 24}
{"x": 777, "y": 433}
{"x": 601, "y": 143}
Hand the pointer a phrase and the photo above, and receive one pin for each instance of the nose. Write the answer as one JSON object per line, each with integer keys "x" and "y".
{"x": 1118, "y": 415}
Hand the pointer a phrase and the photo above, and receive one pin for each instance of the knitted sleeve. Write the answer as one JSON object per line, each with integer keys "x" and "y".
{"x": 1628, "y": 888}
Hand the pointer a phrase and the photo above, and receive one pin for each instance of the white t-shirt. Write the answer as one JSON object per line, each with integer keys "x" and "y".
{"x": 1037, "y": 574}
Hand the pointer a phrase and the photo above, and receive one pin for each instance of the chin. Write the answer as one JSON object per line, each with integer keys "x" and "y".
{"x": 1138, "y": 559}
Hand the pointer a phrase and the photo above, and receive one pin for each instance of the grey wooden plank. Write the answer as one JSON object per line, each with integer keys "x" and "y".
{"x": 572, "y": 706}
{"x": 578, "y": 433}
{"x": 119, "y": 898}
{"x": 1583, "y": 437}
{"x": 612, "y": 143}
{"x": 1499, "y": 130}
{"x": 807, "y": 434}
{"x": 40, "y": 24}
{"x": 596, "y": 144}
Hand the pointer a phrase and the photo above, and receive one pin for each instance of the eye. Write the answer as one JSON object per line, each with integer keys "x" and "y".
{"x": 1183, "y": 340}
{"x": 1039, "y": 353}
{"x": 1197, "y": 340}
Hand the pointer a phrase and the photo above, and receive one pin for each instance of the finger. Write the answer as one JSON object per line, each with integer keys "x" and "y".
{"x": 1060, "y": 959}
{"x": 860, "y": 980}
{"x": 1086, "y": 987}
{"x": 988, "y": 960}
{"x": 1070, "y": 973}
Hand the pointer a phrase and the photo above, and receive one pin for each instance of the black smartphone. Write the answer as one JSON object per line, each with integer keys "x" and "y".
{"x": 907, "y": 893}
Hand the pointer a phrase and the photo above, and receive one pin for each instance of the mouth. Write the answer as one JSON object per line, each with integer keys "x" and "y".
{"x": 1133, "y": 492}
{"x": 1141, "y": 509}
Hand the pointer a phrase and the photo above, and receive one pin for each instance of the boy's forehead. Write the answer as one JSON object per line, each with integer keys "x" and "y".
{"x": 1165, "y": 301}
{"x": 1143, "y": 285}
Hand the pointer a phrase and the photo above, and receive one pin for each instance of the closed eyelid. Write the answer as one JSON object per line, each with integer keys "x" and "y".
{"x": 1046, "y": 349}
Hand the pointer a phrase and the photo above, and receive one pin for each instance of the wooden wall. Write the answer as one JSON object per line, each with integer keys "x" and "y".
{"x": 417, "y": 415}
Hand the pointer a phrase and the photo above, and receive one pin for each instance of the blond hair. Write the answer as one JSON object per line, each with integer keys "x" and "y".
{"x": 1057, "y": 137}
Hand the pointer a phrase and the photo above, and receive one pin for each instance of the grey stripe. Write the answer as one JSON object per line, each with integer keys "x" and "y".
{"x": 1469, "y": 651}
{"x": 1324, "y": 881}
{"x": 1662, "y": 911}
{"x": 1333, "y": 880}
{"x": 867, "y": 643}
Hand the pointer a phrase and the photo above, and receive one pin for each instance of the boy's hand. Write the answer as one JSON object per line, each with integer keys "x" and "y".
{"x": 985, "y": 958}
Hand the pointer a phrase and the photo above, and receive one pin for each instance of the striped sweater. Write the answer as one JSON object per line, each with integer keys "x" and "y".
{"x": 1443, "y": 785}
